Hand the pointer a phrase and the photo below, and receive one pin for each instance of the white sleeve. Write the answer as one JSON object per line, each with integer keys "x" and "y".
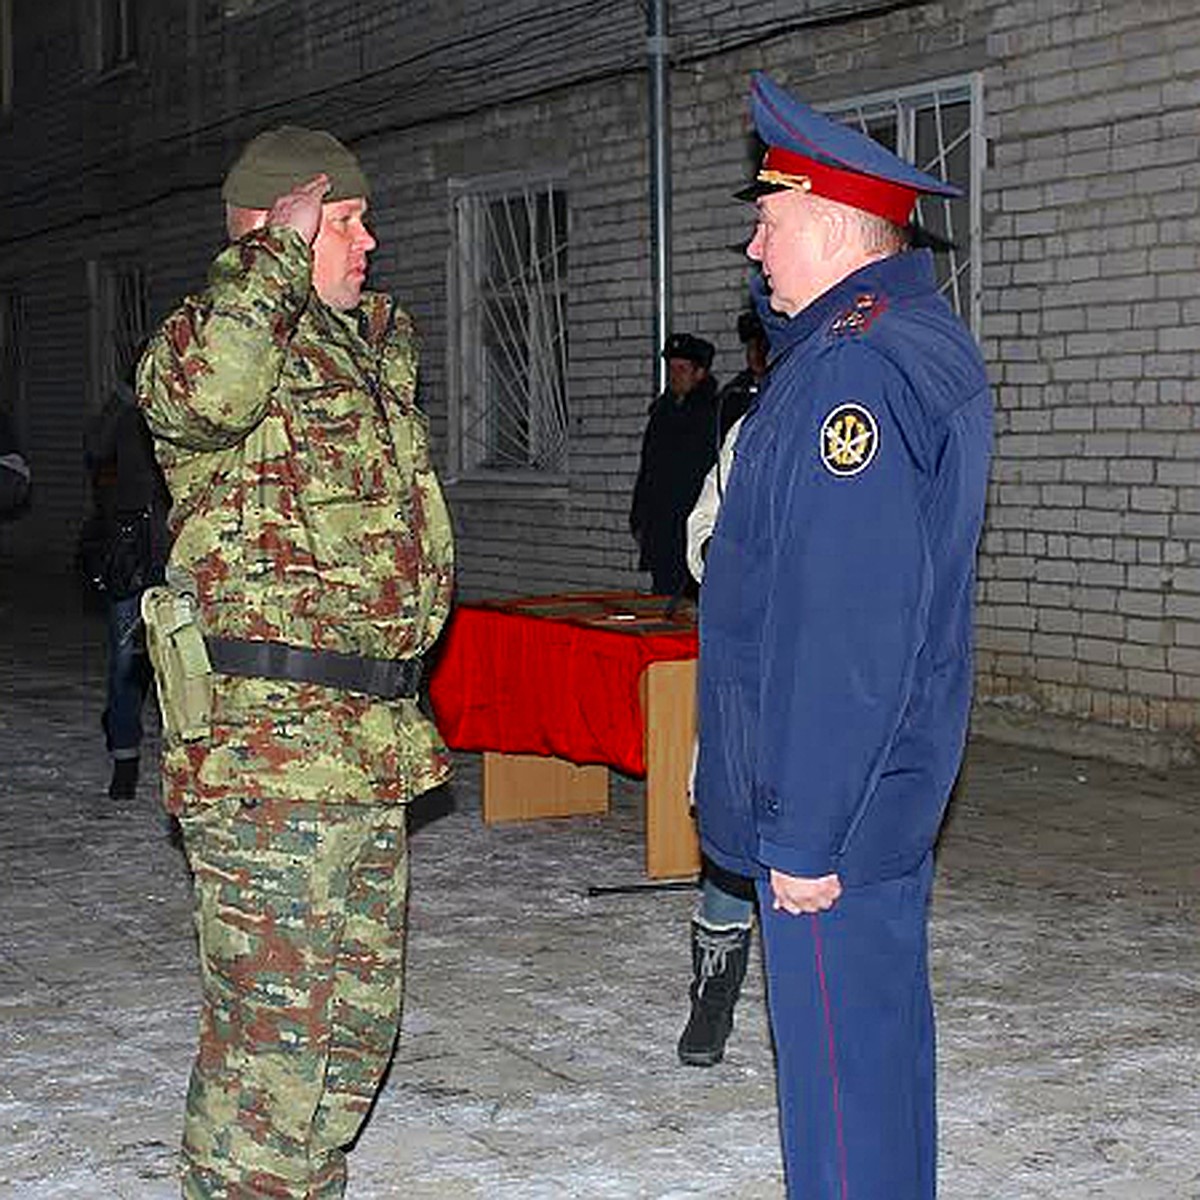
{"x": 703, "y": 516}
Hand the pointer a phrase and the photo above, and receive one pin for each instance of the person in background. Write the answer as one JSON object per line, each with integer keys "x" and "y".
{"x": 835, "y": 643}
{"x": 724, "y": 916}
{"x": 678, "y": 447}
{"x": 317, "y": 547}
{"x": 14, "y": 470}
{"x": 125, "y": 547}
{"x": 738, "y": 394}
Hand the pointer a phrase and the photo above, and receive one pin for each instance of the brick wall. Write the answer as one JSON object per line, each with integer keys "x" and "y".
{"x": 1090, "y": 592}
{"x": 1089, "y": 595}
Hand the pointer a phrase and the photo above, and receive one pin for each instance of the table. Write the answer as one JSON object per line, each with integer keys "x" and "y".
{"x": 555, "y": 690}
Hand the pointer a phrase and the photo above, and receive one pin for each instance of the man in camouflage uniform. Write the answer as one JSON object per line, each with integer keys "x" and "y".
{"x": 310, "y": 520}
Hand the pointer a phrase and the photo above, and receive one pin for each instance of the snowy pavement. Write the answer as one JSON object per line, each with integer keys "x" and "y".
{"x": 537, "y": 1057}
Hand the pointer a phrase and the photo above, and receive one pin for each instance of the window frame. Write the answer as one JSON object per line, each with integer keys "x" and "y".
{"x": 6, "y": 60}
{"x": 468, "y": 199}
{"x": 905, "y": 102}
{"x": 12, "y": 361}
{"x": 245, "y": 10}
{"x": 113, "y": 339}
{"x": 126, "y": 25}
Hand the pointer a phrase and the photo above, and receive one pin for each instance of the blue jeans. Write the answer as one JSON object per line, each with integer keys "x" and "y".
{"x": 719, "y": 907}
{"x": 129, "y": 675}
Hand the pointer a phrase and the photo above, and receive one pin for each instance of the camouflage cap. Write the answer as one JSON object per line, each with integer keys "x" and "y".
{"x": 276, "y": 161}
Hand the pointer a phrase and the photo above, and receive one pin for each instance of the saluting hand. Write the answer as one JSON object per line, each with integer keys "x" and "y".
{"x": 300, "y": 209}
{"x": 796, "y": 894}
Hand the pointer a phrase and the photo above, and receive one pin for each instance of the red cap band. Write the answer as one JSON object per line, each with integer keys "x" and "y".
{"x": 892, "y": 201}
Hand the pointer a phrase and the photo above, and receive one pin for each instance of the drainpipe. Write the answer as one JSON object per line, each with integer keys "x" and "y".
{"x": 657, "y": 49}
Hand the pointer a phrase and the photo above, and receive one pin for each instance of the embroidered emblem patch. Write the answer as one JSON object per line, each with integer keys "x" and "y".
{"x": 849, "y": 439}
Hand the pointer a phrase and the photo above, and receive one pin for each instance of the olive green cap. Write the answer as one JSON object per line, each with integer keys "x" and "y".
{"x": 276, "y": 161}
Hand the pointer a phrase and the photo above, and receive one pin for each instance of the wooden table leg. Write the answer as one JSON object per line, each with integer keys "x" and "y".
{"x": 524, "y": 787}
{"x": 669, "y": 705}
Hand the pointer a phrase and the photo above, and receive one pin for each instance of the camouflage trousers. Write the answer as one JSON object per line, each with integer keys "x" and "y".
{"x": 300, "y": 917}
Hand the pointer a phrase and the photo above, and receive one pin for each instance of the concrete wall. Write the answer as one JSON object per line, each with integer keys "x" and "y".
{"x": 1089, "y": 601}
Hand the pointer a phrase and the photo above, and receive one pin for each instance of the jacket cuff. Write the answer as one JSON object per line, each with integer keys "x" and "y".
{"x": 793, "y": 860}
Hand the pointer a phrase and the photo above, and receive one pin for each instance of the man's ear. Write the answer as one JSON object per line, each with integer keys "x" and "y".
{"x": 835, "y": 229}
{"x": 241, "y": 221}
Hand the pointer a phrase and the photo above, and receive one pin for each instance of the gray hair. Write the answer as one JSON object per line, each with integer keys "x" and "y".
{"x": 877, "y": 234}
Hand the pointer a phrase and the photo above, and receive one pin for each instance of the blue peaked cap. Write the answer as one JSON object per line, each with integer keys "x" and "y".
{"x": 789, "y": 127}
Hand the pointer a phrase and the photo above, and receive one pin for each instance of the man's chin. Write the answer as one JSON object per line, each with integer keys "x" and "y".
{"x": 344, "y": 298}
{"x": 786, "y": 308}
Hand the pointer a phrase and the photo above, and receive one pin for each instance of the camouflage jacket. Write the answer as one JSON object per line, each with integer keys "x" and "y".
{"x": 307, "y": 511}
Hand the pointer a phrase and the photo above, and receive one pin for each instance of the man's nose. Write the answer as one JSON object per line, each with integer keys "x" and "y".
{"x": 754, "y": 248}
{"x": 366, "y": 239}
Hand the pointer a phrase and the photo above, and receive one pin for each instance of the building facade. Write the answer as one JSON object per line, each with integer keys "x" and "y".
{"x": 508, "y": 145}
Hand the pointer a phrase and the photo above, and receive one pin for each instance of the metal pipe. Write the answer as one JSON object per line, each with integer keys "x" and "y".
{"x": 658, "y": 50}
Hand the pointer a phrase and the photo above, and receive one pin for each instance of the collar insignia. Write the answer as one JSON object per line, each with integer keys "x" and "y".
{"x": 860, "y": 316}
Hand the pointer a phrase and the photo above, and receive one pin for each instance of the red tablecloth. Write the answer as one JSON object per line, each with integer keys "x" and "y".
{"x": 556, "y": 675}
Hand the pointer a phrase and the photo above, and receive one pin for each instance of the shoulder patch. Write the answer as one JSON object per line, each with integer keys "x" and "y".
{"x": 849, "y": 439}
{"x": 860, "y": 316}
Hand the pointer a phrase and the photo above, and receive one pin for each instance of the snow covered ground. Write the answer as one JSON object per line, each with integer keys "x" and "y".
{"x": 537, "y": 1058}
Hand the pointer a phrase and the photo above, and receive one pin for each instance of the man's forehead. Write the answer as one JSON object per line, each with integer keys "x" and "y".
{"x": 786, "y": 207}
{"x": 772, "y": 203}
{"x": 355, "y": 206}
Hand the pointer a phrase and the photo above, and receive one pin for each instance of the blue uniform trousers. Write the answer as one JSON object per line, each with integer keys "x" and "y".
{"x": 852, "y": 1018}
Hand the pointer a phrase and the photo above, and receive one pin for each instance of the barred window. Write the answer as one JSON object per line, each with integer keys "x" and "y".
{"x": 243, "y": 8}
{"x": 12, "y": 375}
{"x": 6, "y": 58}
{"x": 938, "y": 127}
{"x": 508, "y": 360}
{"x": 116, "y": 30}
{"x": 119, "y": 323}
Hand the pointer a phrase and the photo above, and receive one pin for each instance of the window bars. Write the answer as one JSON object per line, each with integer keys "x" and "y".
{"x": 119, "y": 324}
{"x": 938, "y": 127}
{"x": 116, "y": 34}
{"x": 511, "y": 340}
{"x": 12, "y": 379}
{"x": 6, "y": 59}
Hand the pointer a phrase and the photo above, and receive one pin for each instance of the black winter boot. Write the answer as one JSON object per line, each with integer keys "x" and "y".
{"x": 718, "y": 968}
{"x": 124, "y": 781}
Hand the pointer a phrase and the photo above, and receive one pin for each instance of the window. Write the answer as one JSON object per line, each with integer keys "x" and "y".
{"x": 939, "y": 127}
{"x": 241, "y": 8}
{"x": 119, "y": 325}
{"x": 115, "y": 29}
{"x": 12, "y": 375}
{"x": 6, "y": 58}
{"x": 508, "y": 359}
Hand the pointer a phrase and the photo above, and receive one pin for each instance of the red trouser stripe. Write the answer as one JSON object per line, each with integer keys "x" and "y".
{"x": 833, "y": 1071}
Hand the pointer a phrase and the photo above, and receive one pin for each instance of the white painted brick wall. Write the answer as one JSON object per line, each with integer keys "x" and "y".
{"x": 1089, "y": 578}
{"x": 1092, "y": 232}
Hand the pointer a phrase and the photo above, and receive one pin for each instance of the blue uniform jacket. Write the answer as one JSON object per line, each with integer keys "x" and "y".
{"x": 835, "y": 617}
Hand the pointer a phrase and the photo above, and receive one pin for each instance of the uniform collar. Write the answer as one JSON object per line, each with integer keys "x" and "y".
{"x": 894, "y": 277}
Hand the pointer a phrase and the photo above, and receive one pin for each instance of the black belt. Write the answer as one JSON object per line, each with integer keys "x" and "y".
{"x": 387, "y": 678}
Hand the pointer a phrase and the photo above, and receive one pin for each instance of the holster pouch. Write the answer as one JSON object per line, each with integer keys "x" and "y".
{"x": 182, "y": 673}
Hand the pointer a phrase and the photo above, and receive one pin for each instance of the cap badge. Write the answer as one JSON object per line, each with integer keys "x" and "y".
{"x": 849, "y": 439}
{"x": 798, "y": 183}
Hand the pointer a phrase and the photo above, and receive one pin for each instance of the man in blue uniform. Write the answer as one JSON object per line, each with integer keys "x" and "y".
{"x": 835, "y": 659}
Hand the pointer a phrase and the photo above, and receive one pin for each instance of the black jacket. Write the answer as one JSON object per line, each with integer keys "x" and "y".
{"x": 680, "y": 444}
{"x": 128, "y": 490}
